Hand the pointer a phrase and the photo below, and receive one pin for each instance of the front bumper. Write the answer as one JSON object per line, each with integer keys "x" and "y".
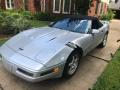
{"x": 27, "y": 69}
{"x": 31, "y": 76}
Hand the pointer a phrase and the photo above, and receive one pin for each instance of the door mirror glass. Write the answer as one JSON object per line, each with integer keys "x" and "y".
{"x": 95, "y": 31}
{"x": 51, "y": 23}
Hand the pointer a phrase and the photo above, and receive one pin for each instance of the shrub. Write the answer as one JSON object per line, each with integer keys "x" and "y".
{"x": 42, "y": 16}
{"x": 27, "y": 14}
{"x": 1, "y": 21}
{"x": 7, "y": 27}
{"x": 109, "y": 16}
{"x": 3, "y": 14}
{"x": 1, "y": 10}
{"x": 21, "y": 24}
{"x": 12, "y": 23}
{"x": 15, "y": 15}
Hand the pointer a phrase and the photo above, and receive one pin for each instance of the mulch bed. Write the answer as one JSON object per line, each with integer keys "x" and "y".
{"x": 4, "y": 36}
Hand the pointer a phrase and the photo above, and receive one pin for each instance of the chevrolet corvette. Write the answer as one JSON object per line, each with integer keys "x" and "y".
{"x": 53, "y": 51}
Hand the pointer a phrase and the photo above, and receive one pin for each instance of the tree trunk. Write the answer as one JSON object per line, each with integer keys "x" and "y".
{"x": 37, "y": 4}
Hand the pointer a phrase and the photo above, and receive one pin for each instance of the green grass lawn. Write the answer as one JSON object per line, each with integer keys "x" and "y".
{"x": 37, "y": 23}
{"x": 3, "y": 41}
{"x": 110, "y": 79}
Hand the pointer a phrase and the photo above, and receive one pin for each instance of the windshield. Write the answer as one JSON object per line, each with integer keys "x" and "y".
{"x": 73, "y": 25}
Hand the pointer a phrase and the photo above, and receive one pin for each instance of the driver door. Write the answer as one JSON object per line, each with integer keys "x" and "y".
{"x": 98, "y": 36}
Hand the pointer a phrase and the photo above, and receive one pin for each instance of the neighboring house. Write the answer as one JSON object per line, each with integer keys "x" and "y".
{"x": 114, "y": 4}
{"x": 97, "y": 7}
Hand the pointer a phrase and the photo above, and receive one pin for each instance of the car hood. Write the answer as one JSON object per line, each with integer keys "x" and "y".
{"x": 41, "y": 44}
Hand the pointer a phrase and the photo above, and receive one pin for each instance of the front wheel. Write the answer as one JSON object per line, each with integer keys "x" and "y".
{"x": 104, "y": 42}
{"x": 72, "y": 64}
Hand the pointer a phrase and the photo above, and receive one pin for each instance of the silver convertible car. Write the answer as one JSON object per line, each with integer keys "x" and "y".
{"x": 54, "y": 51}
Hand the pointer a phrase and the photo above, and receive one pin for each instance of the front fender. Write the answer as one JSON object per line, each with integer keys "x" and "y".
{"x": 60, "y": 57}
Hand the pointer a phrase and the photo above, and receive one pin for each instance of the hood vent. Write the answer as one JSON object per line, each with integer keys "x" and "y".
{"x": 52, "y": 38}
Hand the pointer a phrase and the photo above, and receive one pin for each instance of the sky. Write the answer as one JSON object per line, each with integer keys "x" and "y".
{"x": 106, "y": 1}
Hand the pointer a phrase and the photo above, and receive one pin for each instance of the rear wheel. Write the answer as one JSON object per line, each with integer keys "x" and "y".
{"x": 72, "y": 64}
{"x": 104, "y": 42}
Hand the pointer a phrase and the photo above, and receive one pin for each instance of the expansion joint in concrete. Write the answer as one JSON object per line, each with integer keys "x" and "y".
{"x": 100, "y": 58}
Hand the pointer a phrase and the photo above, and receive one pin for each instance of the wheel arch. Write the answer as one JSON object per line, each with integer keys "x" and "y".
{"x": 107, "y": 32}
{"x": 79, "y": 49}
{"x": 75, "y": 48}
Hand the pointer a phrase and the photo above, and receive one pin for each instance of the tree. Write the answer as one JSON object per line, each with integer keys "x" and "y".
{"x": 82, "y": 6}
{"x": 37, "y": 5}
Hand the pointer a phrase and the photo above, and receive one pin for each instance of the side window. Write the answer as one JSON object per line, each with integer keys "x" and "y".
{"x": 82, "y": 27}
{"x": 96, "y": 24}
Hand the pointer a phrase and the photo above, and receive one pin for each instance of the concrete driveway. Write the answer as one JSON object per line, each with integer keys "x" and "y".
{"x": 91, "y": 67}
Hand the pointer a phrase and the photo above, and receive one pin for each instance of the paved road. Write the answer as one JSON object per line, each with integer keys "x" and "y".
{"x": 90, "y": 69}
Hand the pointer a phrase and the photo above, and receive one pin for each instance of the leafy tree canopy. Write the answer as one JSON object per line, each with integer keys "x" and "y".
{"x": 82, "y": 6}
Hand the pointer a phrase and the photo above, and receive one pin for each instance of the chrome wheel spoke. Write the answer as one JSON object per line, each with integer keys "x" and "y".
{"x": 105, "y": 40}
{"x": 73, "y": 65}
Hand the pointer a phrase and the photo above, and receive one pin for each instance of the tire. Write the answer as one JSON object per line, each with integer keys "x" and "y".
{"x": 72, "y": 64}
{"x": 104, "y": 42}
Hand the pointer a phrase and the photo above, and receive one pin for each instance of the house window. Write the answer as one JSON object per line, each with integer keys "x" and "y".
{"x": 56, "y": 6}
{"x": 9, "y": 4}
{"x": 116, "y": 1}
{"x": 66, "y": 6}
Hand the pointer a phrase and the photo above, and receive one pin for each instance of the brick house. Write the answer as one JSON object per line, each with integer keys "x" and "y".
{"x": 54, "y": 6}
{"x": 99, "y": 7}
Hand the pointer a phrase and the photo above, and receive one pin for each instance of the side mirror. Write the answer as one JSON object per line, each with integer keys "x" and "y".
{"x": 51, "y": 23}
{"x": 95, "y": 31}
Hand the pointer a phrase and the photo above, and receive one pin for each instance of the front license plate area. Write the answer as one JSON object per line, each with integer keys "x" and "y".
{"x": 7, "y": 65}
